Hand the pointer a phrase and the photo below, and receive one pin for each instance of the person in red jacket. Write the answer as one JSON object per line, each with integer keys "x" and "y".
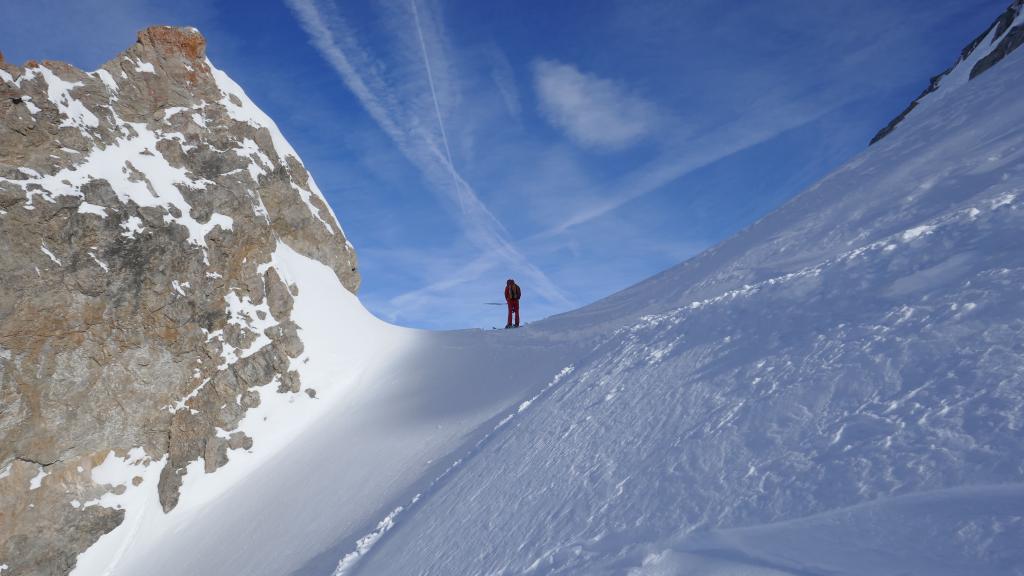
{"x": 512, "y": 295}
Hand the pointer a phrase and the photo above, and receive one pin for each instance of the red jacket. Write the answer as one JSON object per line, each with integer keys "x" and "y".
{"x": 512, "y": 292}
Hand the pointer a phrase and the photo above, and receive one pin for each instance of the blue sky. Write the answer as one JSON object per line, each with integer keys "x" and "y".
{"x": 578, "y": 147}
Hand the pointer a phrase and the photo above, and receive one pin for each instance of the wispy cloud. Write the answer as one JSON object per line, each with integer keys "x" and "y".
{"x": 775, "y": 112}
{"x": 595, "y": 112}
{"x": 409, "y": 107}
{"x": 504, "y": 79}
{"x": 767, "y": 74}
{"x": 440, "y": 291}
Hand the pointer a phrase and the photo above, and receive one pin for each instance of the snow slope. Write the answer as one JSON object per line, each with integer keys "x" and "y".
{"x": 392, "y": 404}
{"x": 839, "y": 389}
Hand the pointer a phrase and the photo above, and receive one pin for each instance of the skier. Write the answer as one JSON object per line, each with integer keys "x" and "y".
{"x": 512, "y": 294}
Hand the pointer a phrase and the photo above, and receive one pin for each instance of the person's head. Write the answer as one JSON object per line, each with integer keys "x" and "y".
{"x": 510, "y": 282}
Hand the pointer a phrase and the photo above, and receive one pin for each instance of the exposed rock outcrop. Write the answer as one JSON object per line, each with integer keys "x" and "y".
{"x": 139, "y": 207}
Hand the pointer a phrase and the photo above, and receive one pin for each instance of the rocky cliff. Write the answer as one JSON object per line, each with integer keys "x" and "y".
{"x": 139, "y": 208}
{"x": 1004, "y": 36}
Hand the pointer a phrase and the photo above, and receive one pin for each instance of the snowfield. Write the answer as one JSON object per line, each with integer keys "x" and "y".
{"x": 838, "y": 389}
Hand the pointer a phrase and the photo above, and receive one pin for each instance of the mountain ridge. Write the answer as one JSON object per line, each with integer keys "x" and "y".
{"x": 1004, "y": 35}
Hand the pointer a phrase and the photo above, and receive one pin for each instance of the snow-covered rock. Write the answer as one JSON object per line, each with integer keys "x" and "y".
{"x": 1004, "y": 36}
{"x": 142, "y": 317}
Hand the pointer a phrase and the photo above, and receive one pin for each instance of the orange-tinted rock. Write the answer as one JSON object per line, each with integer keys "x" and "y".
{"x": 167, "y": 40}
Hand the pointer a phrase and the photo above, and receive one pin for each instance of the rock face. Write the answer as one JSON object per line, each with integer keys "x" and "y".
{"x": 139, "y": 206}
{"x": 1004, "y": 36}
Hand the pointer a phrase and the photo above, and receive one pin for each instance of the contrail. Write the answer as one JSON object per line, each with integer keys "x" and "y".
{"x": 383, "y": 101}
{"x": 437, "y": 107}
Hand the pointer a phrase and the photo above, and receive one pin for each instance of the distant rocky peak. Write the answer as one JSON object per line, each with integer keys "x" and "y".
{"x": 1004, "y": 36}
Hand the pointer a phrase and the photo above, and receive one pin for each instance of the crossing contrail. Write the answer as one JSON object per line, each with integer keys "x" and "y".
{"x": 384, "y": 99}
